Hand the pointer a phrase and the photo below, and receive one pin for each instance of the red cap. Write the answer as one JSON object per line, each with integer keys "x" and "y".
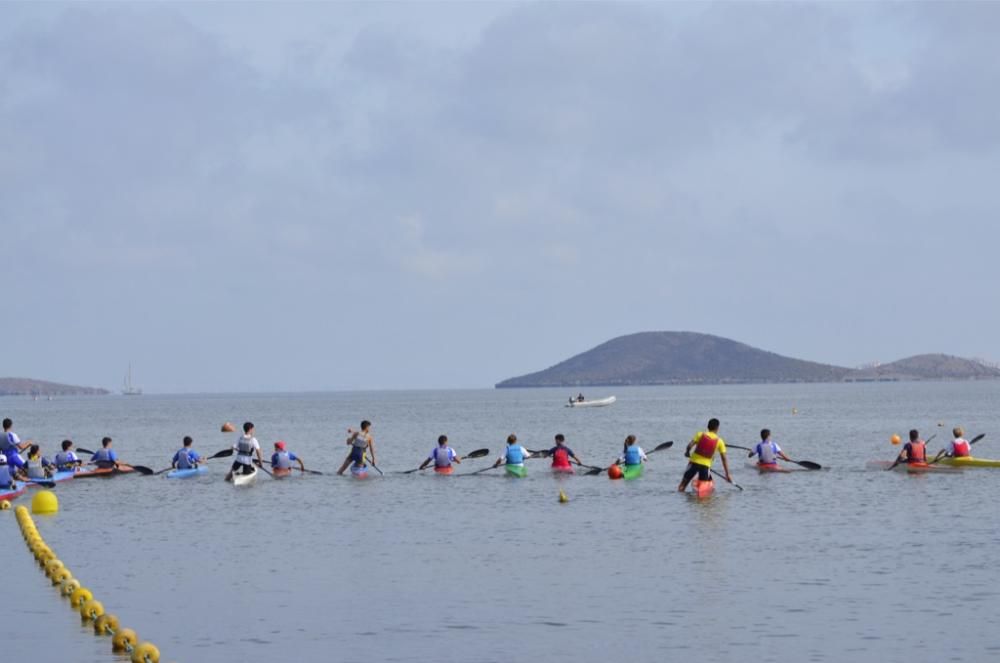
{"x": 279, "y": 445}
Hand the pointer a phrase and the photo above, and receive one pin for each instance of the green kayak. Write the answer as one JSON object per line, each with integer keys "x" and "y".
{"x": 632, "y": 471}
{"x": 516, "y": 470}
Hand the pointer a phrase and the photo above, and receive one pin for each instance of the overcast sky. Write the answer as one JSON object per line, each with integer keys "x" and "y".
{"x": 335, "y": 196}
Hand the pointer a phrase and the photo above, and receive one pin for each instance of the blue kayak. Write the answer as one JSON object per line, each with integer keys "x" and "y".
{"x": 188, "y": 473}
{"x": 359, "y": 471}
{"x": 58, "y": 477}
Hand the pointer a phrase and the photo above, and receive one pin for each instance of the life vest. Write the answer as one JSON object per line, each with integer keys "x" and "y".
{"x": 183, "y": 460}
{"x": 960, "y": 448}
{"x": 707, "y": 442}
{"x": 632, "y": 456}
{"x": 244, "y": 446}
{"x": 766, "y": 454}
{"x": 515, "y": 454}
{"x": 6, "y": 442}
{"x": 560, "y": 457}
{"x": 102, "y": 456}
{"x": 35, "y": 468}
{"x": 64, "y": 460}
{"x": 442, "y": 457}
{"x": 281, "y": 460}
{"x": 6, "y": 478}
{"x": 917, "y": 453}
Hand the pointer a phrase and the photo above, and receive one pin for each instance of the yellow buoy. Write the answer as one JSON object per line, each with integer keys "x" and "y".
{"x": 52, "y": 566}
{"x": 562, "y": 496}
{"x": 68, "y": 586}
{"x": 4, "y": 505}
{"x": 124, "y": 640}
{"x": 91, "y": 609}
{"x": 80, "y": 595}
{"x": 21, "y": 511}
{"x": 44, "y": 501}
{"x": 146, "y": 653}
{"x": 106, "y": 624}
{"x": 59, "y": 576}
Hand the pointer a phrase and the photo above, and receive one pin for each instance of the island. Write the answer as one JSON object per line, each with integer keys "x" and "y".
{"x": 29, "y": 387}
{"x": 666, "y": 357}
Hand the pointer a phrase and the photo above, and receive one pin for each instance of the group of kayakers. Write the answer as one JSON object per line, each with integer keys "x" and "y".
{"x": 914, "y": 452}
{"x": 33, "y": 465}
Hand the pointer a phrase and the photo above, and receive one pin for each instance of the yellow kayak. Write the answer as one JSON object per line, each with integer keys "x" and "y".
{"x": 969, "y": 461}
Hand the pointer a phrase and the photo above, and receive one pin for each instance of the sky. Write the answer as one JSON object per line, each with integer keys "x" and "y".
{"x": 334, "y": 196}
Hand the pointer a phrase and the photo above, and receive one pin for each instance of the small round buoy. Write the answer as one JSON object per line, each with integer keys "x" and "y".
{"x": 615, "y": 472}
{"x": 106, "y": 624}
{"x": 59, "y": 576}
{"x": 795, "y": 410}
{"x": 146, "y": 653}
{"x": 68, "y": 586}
{"x": 52, "y": 566}
{"x": 895, "y": 439}
{"x": 562, "y": 496}
{"x": 91, "y": 609}
{"x": 4, "y": 505}
{"x": 79, "y": 595}
{"x": 124, "y": 640}
{"x": 228, "y": 428}
{"x": 44, "y": 501}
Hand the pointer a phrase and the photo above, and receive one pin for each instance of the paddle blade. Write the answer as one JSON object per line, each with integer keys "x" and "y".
{"x": 478, "y": 453}
{"x": 977, "y": 438}
{"x": 143, "y": 470}
{"x": 809, "y": 465}
{"x": 85, "y": 451}
{"x": 221, "y": 454}
{"x": 665, "y": 445}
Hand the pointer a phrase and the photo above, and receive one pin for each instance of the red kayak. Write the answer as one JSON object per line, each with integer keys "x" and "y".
{"x": 702, "y": 488}
{"x": 771, "y": 467}
{"x": 444, "y": 470}
{"x": 563, "y": 469}
{"x": 16, "y": 490}
{"x": 279, "y": 472}
{"x": 104, "y": 472}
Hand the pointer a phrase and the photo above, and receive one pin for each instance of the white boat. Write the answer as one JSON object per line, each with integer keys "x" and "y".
{"x": 244, "y": 479}
{"x": 600, "y": 402}
{"x": 127, "y": 388}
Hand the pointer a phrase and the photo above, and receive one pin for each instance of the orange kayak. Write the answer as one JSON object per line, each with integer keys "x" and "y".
{"x": 105, "y": 472}
{"x": 702, "y": 488}
{"x": 444, "y": 470}
{"x": 279, "y": 472}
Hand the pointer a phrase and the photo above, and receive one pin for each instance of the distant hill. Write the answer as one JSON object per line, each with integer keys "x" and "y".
{"x": 928, "y": 367}
{"x": 649, "y": 358}
{"x": 27, "y": 387}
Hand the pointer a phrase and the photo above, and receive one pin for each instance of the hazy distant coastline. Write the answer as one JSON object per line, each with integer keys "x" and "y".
{"x": 656, "y": 358}
{"x": 29, "y": 387}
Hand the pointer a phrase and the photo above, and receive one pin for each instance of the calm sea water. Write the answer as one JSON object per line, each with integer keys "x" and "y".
{"x": 845, "y": 563}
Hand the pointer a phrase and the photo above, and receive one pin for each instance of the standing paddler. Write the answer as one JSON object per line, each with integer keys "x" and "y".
{"x": 246, "y": 447}
{"x": 700, "y": 450}
{"x": 360, "y": 441}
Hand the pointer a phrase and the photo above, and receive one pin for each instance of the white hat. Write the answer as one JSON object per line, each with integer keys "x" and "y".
{"x": 3, "y": 459}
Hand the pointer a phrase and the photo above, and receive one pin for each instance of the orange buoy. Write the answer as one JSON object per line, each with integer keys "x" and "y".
{"x": 615, "y": 472}
{"x": 895, "y": 439}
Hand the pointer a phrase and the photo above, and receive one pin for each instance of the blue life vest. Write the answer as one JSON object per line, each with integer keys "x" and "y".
{"x": 632, "y": 455}
{"x": 183, "y": 460}
{"x": 103, "y": 456}
{"x": 280, "y": 460}
{"x": 6, "y": 479}
{"x": 65, "y": 460}
{"x": 515, "y": 454}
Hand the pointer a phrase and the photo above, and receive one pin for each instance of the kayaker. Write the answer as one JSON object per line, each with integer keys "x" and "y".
{"x": 915, "y": 451}
{"x": 514, "y": 455}
{"x": 67, "y": 460}
{"x": 7, "y": 474}
{"x": 959, "y": 447}
{"x": 11, "y": 445}
{"x": 360, "y": 441}
{"x": 579, "y": 398}
{"x": 186, "y": 458}
{"x": 282, "y": 459}
{"x": 561, "y": 454}
{"x": 105, "y": 457}
{"x": 767, "y": 451}
{"x": 632, "y": 453}
{"x": 246, "y": 447}
{"x": 37, "y": 466}
{"x": 442, "y": 456}
{"x": 701, "y": 450}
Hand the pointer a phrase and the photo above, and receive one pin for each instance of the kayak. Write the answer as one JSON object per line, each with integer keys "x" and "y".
{"x": 16, "y": 490}
{"x": 769, "y": 469}
{"x": 106, "y": 472}
{"x": 279, "y": 472}
{"x": 244, "y": 479}
{"x": 563, "y": 469}
{"x": 188, "y": 473}
{"x": 57, "y": 477}
{"x": 600, "y": 402}
{"x": 516, "y": 470}
{"x": 444, "y": 470}
{"x": 701, "y": 488}
{"x": 359, "y": 471}
{"x": 968, "y": 461}
{"x": 632, "y": 471}
{"x": 915, "y": 468}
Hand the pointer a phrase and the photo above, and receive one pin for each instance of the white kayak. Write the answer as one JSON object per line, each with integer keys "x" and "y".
{"x": 600, "y": 402}
{"x": 244, "y": 479}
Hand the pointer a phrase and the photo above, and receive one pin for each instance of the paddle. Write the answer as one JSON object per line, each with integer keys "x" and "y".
{"x": 478, "y": 453}
{"x": 941, "y": 454}
{"x": 598, "y": 470}
{"x": 141, "y": 469}
{"x": 808, "y": 464}
{"x": 45, "y": 483}
{"x": 218, "y": 454}
{"x": 300, "y": 469}
{"x": 899, "y": 458}
{"x": 380, "y": 472}
{"x": 720, "y": 474}
{"x": 265, "y": 470}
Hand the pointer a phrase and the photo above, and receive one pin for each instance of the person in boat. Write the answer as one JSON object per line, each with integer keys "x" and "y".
{"x": 515, "y": 453}
{"x": 700, "y": 452}
{"x": 186, "y": 458}
{"x": 767, "y": 451}
{"x": 282, "y": 459}
{"x": 915, "y": 451}
{"x": 37, "y": 466}
{"x": 7, "y": 474}
{"x": 360, "y": 441}
{"x": 561, "y": 454}
{"x": 246, "y": 447}
{"x": 11, "y": 445}
{"x": 959, "y": 447}
{"x": 67, "y": 460}
{"x": 105, "y": 457}
{"x": 579, "y": 398}
{"x": 632, "y": 453}
{"x": 442, "y": 456}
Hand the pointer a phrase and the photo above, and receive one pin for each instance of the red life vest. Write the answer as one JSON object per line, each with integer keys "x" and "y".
{"x": 560, "y": 458}
{"x": 917, "y": 453}
{"x": 961, "y": 448}
{"x": 706, "y": 445}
